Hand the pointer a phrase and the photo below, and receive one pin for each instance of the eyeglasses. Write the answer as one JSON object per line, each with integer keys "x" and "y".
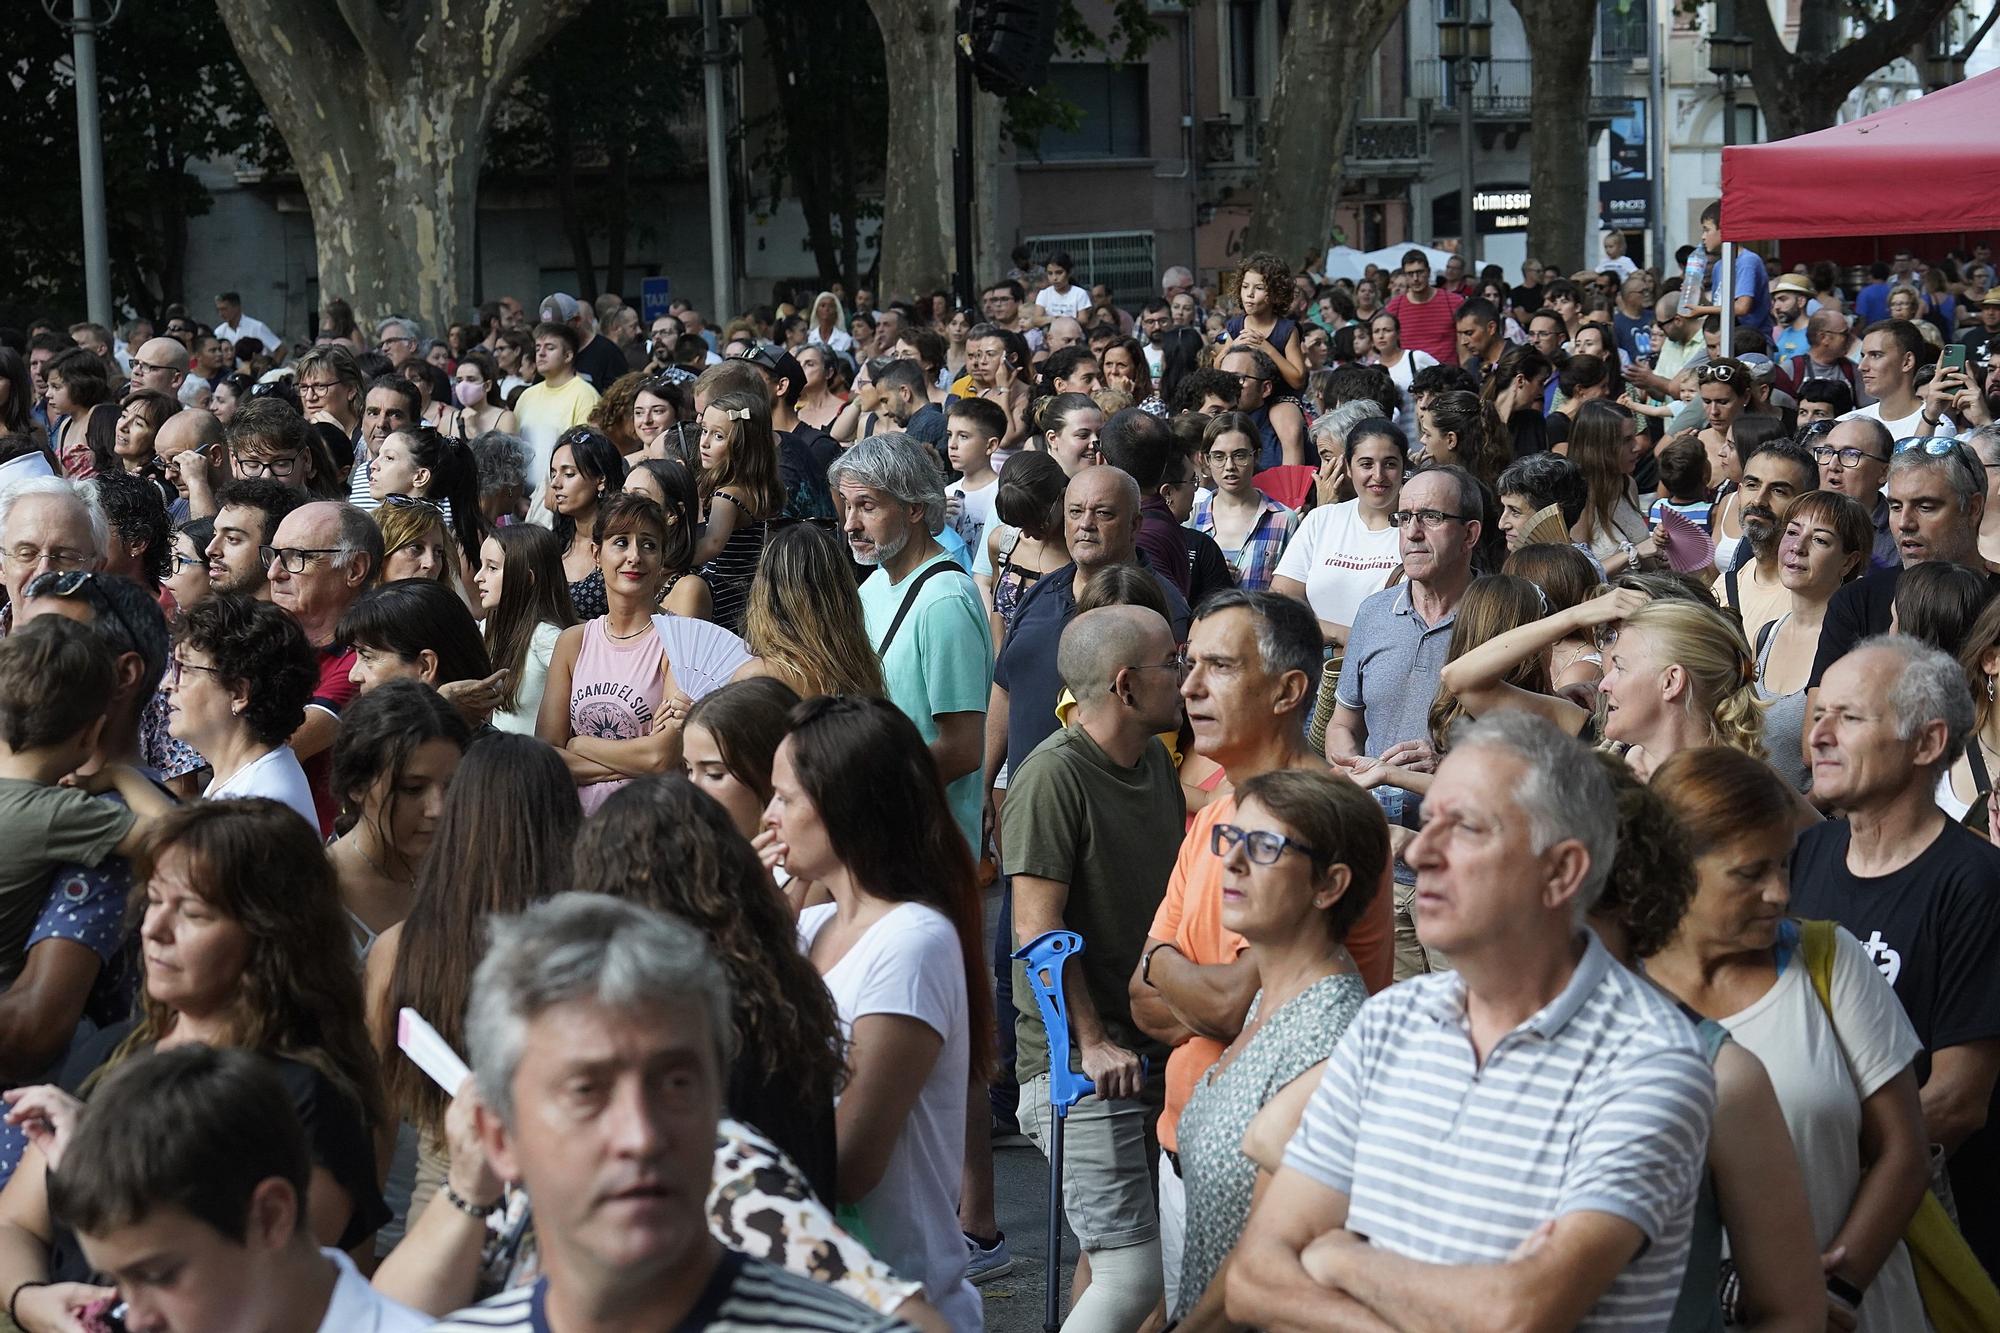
{"x": 74, "y": 581}
{"x": 387, "y": 341}
{"x": 1848, "y": 456}
{"x": 1430, "y": 518}
{"x": 267, "y": 467}
{"x": 176, "y": 668}
{"x": 1262, "y": 846}
{"x": 315, "y": 387}
{"x": 57, "y": 557}
{"x": 137, "y": 364}
{"x": 1718, "y": 374}
{"x": 183, "y": 561}
{"x": 413, "y": 502}
{"x": 1180, "y": 666}
{"x": 295, "y": 558}
{"x": 1943, "y": 446}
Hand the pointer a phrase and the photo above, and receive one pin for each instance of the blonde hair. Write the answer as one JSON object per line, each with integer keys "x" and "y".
{"x": 1722, "y": 671}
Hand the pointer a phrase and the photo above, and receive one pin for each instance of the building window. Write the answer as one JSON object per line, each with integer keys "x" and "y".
{"x": 1621, "y": 28}
{"x": 1246, "y": 21}
{"x": 1122, "y": 260}
{"x": 1112, "y": 103}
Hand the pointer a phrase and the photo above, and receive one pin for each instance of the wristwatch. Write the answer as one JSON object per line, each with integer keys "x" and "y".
{"x": 1146, "y": 963}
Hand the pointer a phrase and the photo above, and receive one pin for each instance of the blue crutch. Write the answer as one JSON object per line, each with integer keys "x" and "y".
{"x": 1045, "y": 956}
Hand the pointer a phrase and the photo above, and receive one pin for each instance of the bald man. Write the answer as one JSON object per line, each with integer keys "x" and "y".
{"x": 160, "y": 363}
{"x": 188, "y": 445}
{"x": 1063, "y": 331}
{"x": 1090, "y": 832}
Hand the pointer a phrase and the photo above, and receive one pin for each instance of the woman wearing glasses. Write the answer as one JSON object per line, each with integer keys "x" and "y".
{"x": 237, "y": 687}
{"x": 1305, "y": 854}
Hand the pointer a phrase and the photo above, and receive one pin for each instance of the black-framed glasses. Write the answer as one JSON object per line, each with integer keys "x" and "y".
{"x": 1260, "y": 845}
{"x": 178, "y": 667}
{"x": 1849, "y": 456}
{"x": 295, "y": 558}
{"x": 183, "y": 561}
{"x": 267, "y": 467}
{"x": 138, "y": 365}
{"x": 73, "y": 581}
{"x": 315, "y": 387}
{"x": 414, "y": 502}
{"x": 1430, "y": 518}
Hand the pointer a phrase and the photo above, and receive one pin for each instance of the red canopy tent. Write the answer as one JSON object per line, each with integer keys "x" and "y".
{"x": 1918, "y": 168}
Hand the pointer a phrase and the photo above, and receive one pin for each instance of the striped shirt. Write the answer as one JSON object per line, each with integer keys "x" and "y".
{"x": 742, "y": 1294}
{"x": 1600, "y": 1102}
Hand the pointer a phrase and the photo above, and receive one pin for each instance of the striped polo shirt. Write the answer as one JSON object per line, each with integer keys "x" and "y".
{"x": 1600, "y": 1102}
{"x": 744, "y": 1294}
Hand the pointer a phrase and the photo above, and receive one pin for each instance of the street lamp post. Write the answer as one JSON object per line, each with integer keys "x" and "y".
{"x": 1465, "y": 43}
{"x": 1729, "y": 62}
{"x": 83, "y": 25}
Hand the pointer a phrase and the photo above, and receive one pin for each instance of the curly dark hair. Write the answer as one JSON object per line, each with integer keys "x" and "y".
{"x": 664, "y": 844}
{"x": 137, "y": 514}
{"x": 1652, "y": 877}
{"x": 254, "y": 644}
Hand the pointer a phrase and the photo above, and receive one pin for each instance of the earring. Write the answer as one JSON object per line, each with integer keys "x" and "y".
{"x": 1989, "y": 689}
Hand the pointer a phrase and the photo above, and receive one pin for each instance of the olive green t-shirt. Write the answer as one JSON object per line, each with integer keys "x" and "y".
{"x": 1111, "y": 834}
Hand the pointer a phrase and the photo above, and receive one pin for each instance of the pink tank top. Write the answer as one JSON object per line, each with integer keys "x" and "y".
{"x": 614, "y": 693}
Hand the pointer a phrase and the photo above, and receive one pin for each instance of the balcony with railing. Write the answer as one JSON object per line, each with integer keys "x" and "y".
{"x": 1376, "y": 145}
{"x": 1504, "y": 88}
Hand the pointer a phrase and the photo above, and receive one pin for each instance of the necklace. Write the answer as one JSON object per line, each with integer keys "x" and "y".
{"x": 621, "y": 637}
{"x": 373, "y": 864}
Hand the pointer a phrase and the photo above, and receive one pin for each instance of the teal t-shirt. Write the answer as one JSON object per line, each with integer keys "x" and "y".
{"x": 941, "y": 662}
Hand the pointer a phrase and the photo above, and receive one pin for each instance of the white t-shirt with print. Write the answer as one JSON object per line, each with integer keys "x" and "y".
{"x": 1340, "y": 560}
{"x": 909, "y": 963}
{"x": 1072, "y": 302}
{"x": 975, "y": 510}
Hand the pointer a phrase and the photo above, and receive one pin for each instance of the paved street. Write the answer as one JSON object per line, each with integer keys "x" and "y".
{"x": 1021, "y": 1193}
{"x": 1021, "y": 1184}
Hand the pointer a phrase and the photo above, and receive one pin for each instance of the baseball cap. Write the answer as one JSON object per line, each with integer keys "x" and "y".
{"x": 774, "y": 361}
{"x": 560, "y": 307}
{"x": 1761, "y": 367}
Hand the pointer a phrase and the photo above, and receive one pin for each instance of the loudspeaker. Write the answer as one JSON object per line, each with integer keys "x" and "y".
{"x": 1012, "y": 42}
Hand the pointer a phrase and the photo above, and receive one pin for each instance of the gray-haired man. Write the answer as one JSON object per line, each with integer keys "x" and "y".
{"x": 925, "y": 618}
{"x": 1915, "y": 888}
{"x": 600, "y": 1036}
{"x": 1591, "y": 1094}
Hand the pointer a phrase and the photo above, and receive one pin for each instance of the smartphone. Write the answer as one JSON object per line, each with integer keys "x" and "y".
{"x": 1954, "y": 359}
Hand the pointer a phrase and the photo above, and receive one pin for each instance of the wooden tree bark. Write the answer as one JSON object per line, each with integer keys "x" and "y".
{"x": 1561, "y": 34}
{"x": 385, "y": 110}
{"x": 1802, "y": 89}
{"x": 917, "y": 224}
{"x": 1327, "y": 48}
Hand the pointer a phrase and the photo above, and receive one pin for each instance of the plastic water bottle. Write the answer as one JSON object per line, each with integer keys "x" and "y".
{"x": 1691, "y": 283}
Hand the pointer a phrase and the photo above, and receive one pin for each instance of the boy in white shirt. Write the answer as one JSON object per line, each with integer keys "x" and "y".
{"x": 973, "y": 429}
{"x": 1062, "y": 297}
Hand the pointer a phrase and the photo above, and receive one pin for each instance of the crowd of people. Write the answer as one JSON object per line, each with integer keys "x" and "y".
{"x": 499, "y": 829}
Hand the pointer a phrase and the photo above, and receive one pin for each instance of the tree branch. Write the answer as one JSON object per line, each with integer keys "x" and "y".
{"x": 381, "y": 44}
{"x": 1979, "y": 33}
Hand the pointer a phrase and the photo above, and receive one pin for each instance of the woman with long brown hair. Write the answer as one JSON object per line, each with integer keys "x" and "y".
{"x": 244, "y": 945}
{"x": 665, "y": 845}
{"x": 503, "y": 841}
{"x": 1605, "y": 445}
{"x": 521, "y": 588}
{"x": 901, "y": 950}
{"x": 804, "y": 619}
